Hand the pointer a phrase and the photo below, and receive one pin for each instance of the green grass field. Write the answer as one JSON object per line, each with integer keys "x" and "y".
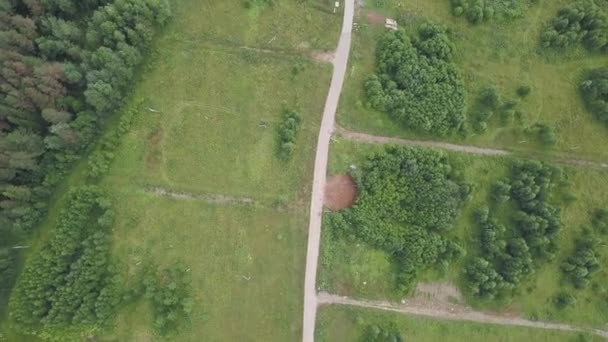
{"x": 214, "y": 133}
{"x": 214, "y": 90}
{"x": 349, "y": 324}
{"x": 349, "y": 267}
{"x": 503, "y": 54}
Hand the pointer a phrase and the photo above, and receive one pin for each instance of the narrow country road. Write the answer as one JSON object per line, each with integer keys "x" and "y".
{"x": 375, "y": 139}
{"x": 459, "y": 315}
{"x": 316, "y": 204}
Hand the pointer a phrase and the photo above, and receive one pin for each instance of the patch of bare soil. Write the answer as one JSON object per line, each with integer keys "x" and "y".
{"x": 437, "y": 296}
{"x": 340, "y": 192}
{"x": 323, "y": 56}
{"x": 376, "y": 18}
{"x": 154, "y": 156}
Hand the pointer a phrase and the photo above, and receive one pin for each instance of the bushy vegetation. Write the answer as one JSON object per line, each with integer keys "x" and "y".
{"x": 407, "y": 199}
{"x": 383, "y": 333}
{"x": 508, "y": 256}
{"x": 416, "y": 81}
{"x": 65, "y": 65}
{"x": 478, "y": 11}
{"x": 71, "y": 279}
{"x": 583, "y": 21}
{"x": 288, "y": 131}
{"x": 599, "y": 220}
{"x": 594, "y": 89}
{"x": 169, "y": 291}
{"x": 584, "y": 261}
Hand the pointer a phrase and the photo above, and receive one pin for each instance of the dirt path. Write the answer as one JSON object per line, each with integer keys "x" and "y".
{"x": 374, "y": 139}
{"x": 318, "y": 187}
{"x": 453, "y": 314}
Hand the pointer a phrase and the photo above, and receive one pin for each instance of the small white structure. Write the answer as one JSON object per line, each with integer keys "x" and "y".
{"x": 336, "y": 5}
{"x": 390, "y": 24}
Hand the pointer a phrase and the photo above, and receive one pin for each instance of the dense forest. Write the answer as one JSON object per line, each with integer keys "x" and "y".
{"x": 416, "y": 81}
{"x": 65, "y": 67}
{"x": 408, "y": 198}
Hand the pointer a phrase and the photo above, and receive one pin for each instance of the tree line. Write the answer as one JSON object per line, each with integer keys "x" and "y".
{"x": 416, "y": 82}
{"x": 408, "y": 199}
{"x": 65, "y": 66}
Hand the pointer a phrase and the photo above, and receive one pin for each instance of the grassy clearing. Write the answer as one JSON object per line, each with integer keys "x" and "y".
{"x": 503, "y": 54}
{"x": 336, "y": 323}
{"x": 246, "y": 265}
{"x": 350, "y": 267}
{"x": 216, "y": 126}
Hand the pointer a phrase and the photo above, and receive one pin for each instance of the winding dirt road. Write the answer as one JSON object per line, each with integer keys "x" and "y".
{"x": 316, "y": 204}
{"x": 466, "y": 314}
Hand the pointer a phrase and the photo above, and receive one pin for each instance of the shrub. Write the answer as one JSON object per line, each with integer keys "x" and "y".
{"x": 581, "y": 265}
{"x": 594, "y": 90}
{"x": 524, "y": 90}
{"x": 288, "y": 131}
{"x": 563, "y": 300}
{"x": 169, "y": 291}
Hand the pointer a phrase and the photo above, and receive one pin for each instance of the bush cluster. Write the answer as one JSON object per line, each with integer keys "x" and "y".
{"x": 416, "y": 81}
{"x": 288, "y": 130}
{"x": 507, "y": 257}
{"x": 581, "y": 21}
{"x": 169, "y": 290}
{"x": 407, "y": 199}
{"x": 584, "y": 261}
{"x": 594, "y": 89}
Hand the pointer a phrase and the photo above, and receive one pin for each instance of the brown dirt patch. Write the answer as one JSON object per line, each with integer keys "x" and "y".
{"x": 376, "y": 18}
{"x": 324, "y": 57}
{"x": 340, "y": 192}
{"x": 154, "y": 156}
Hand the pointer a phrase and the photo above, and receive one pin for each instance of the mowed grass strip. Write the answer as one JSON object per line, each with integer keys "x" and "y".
{"x": 350, "y": 267}
{"x": 339, "y": 323}
{"x": 506, "y": 55}
{"x": 246, "y": 266}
